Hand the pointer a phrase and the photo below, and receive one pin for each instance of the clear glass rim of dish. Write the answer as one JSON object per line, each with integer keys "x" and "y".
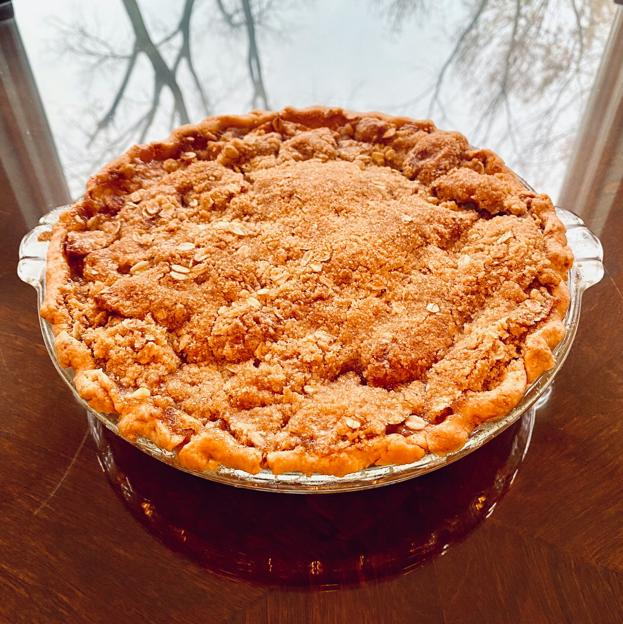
{"x": 586, "y": 271}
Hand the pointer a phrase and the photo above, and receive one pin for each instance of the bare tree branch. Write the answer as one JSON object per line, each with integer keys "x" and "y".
{"x": 400, "y": 10}
{"x": 151, "y": 113}
{"x": 230, "y": 18}
{"x": 453, "y": 55}
{"x": 185, "y": 53}
{"x": 248, "y": 17}
{"x": 146, "y": 45}
{"x": 163, "y": 75}
{"x": 108, "y": 118}
{"x": 580, "y": 29}
{"x": 81, "y": 42}
{"x": 253, "y": 58}
{"x": 501, "y": 96}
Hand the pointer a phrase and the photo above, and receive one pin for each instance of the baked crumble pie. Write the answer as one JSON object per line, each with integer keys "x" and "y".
{"x": 306, "y": 290}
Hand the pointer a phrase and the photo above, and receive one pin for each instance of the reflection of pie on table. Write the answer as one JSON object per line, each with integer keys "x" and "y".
{"x": 314, "y": 290}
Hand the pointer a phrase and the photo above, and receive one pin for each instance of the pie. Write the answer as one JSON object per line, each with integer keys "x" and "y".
{"x": 306, "y": 290}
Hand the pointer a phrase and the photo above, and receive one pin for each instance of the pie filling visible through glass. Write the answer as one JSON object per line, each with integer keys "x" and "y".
{"x": 307, "y": 290}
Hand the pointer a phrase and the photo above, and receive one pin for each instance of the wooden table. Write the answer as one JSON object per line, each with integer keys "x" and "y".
{"x": 92, "y": 530}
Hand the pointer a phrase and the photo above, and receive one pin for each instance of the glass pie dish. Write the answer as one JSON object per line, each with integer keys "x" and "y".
{"x": 586, "y": 271}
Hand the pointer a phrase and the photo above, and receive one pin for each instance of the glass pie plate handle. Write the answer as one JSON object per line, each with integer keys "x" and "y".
{"x": 586, "y": 271}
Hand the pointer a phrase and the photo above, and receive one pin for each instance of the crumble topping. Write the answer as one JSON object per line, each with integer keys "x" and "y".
{"x": 307, "y": 290}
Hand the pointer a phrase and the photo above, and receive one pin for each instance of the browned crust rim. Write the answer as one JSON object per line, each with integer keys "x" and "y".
{"x": 213, "y": 446}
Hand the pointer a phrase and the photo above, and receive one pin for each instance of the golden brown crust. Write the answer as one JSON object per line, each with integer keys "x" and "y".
{"x": 390, "y": 449}
{"x": 312, "y": 290}
{"x": 56, "y": 277}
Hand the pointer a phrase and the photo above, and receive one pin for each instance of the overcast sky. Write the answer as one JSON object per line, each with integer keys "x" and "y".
{"x": 336, "y": 52}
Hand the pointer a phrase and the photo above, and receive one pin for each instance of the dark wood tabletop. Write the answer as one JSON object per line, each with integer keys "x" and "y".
{"x": 527, "y": 529}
